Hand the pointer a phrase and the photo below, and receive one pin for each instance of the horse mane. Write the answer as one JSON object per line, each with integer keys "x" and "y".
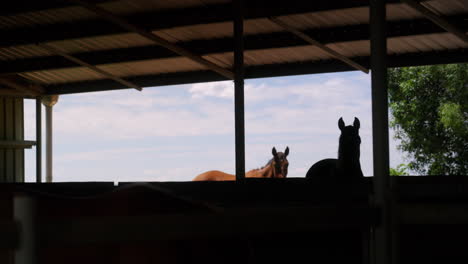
{"x": 266, "y": 165}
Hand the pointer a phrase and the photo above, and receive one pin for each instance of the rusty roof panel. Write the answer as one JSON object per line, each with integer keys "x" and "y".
{"x": 400, "y": 45}
{"x": 216, "y": 30}
{"x": 77, "y": 13}
{"x": 76, "y": 45}
{"x": 447, "y": 7}
{"x": 118, "y": 69}
{"x": 324, "y": 19}
{"x": 47, "y": 17}
{"x": 152, "y": 66}
{"x": 432, "y": 42}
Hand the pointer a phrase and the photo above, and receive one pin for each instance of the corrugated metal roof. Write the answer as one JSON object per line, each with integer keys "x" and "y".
{"x": 325, "y": 19}
{"x": 432, "y": 42}
{"x": 77, "y": 13}
{"x": 118, "y": 69}
{"x": 421, "y": 42}
{"x": 399, "y": 45}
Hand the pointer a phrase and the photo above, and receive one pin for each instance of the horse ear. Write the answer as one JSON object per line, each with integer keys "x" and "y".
{"x": 273, "y": 151}
{"x": 341, "y": 124}
{"x": 286, "y": 152}
{"x": 356, "y": 123}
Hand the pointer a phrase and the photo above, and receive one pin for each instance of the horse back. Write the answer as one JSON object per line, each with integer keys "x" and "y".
{"x": 324, "y": 169}
{"x": 215, "y": 175}
{"x": 330, "y": 170}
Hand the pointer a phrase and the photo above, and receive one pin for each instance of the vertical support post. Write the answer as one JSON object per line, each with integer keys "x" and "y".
{"x": 38, "y": 140}
{"x": 24, "y": 210}
{"x": 239, "y": 88}
{"x": 383, "y": 250}
{"x": 49, "y": 101}
{"x": 49, "y": 111}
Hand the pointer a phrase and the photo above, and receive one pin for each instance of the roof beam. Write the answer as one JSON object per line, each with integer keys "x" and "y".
{"x": 158, "y": 20}
{"x": 14, "y": 93}
{"x": 274, "y": 70}
{"x": 89, "y": 66}
{"x": 20, "y": 86}
{"x": 252, "y": 42}
{"x": 26, "y": 6}
{"x": 160, "y": 41}
{"x": 314, "y": 42}
{"x": 17, "y": 144}
{"x": 437, "y": 19}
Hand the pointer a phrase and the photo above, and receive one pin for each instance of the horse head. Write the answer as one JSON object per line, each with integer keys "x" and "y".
{"x": 350, "y": 141}
{"x": 280, "y": 163}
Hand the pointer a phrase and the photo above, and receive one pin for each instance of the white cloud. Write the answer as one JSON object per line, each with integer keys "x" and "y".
{"x": 223, "y": 89}
{"x": 300, "y": 114}
{"x": 113, "y": 122}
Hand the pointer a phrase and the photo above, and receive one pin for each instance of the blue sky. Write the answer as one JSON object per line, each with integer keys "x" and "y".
{"x": 173, "y": 133}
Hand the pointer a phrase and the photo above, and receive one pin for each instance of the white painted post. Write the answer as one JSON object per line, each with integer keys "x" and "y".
{"x": 49, "y": 101}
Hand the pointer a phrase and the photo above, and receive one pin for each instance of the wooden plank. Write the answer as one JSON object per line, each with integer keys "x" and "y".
{"x": 92, "y": 231}
{"x": 160, "y": 41}
{"x": 433, "y": 213}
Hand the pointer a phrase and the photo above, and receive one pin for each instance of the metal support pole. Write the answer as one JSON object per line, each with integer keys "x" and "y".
{"x": 48, "y": 143}
{"x": 24, "y": 214}
{"x": 383, "y": 233}
{"x": 239, "y": 88}
{"x": 38, "y": 140}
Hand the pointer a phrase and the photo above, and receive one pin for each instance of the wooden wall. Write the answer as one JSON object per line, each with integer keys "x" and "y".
{"x": 11, "y": 129}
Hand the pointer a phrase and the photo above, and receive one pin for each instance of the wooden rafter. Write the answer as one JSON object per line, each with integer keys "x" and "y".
{"x": 319, "y": 45}
{"x": 14, "y": 93}
{"x": 16, "y": 144}
{"x": 92, "y": 67}
{"x": 441, "y": 22}
{"x": 158, "y": 40}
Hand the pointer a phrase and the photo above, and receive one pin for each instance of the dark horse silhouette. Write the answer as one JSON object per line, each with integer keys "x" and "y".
{"x": 347, "y": 167}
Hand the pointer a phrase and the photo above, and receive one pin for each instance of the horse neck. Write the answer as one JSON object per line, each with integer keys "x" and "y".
{"x": 347, "y": 159}
{"x": 265, "y": 172}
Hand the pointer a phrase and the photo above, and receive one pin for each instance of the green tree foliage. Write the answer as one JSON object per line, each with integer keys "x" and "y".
{"x": 429, "y": 106}
{"x": 400, "y": 170}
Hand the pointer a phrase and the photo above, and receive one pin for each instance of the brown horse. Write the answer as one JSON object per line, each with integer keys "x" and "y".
{"x": 277, "y": 167}
{"x": 347, "y": 167}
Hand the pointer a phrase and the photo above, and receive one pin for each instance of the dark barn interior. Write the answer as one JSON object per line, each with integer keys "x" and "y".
{"x": 60, "y": 47}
